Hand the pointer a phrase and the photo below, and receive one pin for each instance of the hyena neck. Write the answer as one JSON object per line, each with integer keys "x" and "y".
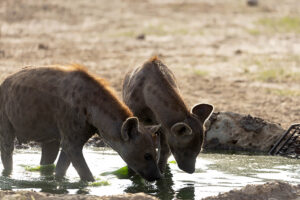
{"x": 167, "y": 108}
{"x": 108, "y": 114}
{"x": 99, "y": 104}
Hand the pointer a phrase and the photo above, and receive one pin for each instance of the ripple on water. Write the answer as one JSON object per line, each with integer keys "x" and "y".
{"x": 214, "y": 173}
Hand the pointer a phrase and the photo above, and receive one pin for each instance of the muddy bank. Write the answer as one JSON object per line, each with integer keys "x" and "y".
{"x": 271, "y": 190}
{"x": 30, "y": 195}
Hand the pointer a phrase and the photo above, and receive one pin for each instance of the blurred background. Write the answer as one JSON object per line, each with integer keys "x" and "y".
{"x": 240, "y": 56}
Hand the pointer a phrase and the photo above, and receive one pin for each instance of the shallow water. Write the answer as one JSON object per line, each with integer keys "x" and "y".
{"x": 214, "y": 173}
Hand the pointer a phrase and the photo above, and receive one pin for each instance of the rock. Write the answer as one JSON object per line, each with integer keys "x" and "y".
{"x": 2, "y": 53}
{"x": 43, "y": 46}
{"x": 238, "y": 52}
{"x": 233, "y": 131}
{"x": 269, "y": 191}
{"x": 252, "y": 2}
{"x": 141, "y": 37}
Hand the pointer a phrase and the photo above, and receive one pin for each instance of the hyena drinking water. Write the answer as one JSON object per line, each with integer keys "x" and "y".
{"x": 152, "y": 94}
{"x": 64, "y": 106}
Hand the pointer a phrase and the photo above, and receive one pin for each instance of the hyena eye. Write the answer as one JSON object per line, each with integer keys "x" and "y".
{"x": 148, "y": 156}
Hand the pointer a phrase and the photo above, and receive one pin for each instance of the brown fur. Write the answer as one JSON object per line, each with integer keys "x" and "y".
{"x": 104, "y": 84}
{"x": 67, "y": 105}
{"x": 160, "y": 102}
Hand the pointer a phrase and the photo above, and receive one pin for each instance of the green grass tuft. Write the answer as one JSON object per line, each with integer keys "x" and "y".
{"x": 282, "y": 25}
{"x": 99, "y": 183}
{"x": 120, "y": 173}
{"x": 172, "y": 162}
{"x": 273, "y": 69}
{"x": 254, "y": 32}
{"x": 277, "y": 75}
{"x": 285, "y": 93}
{"x": 201, "y": 72}
{"x": 40, "y": 168}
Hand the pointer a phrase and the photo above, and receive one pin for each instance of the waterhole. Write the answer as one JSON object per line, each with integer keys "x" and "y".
{"x": 214, "y": 173}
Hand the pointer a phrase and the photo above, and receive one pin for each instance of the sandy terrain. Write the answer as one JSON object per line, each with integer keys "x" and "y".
{"x": 239, "y": 58}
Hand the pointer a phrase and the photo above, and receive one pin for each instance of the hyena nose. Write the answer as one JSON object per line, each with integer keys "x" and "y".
{"x": 157, "y": 175}
{"x": 188, "y": 168}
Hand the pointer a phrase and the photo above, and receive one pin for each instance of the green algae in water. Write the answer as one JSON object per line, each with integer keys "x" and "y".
{"x": 99, "y": 183}
{"x": 121, "y": 173}
{"x": 172, "y": 162}
{"x": 40, "y": 168}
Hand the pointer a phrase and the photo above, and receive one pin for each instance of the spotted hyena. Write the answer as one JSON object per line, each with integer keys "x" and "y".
{"x": 64, "y": 106}
{"x": 152, "y": 94}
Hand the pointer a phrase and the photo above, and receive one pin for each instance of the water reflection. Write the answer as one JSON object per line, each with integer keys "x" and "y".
{"x": 186, "y": 193}
{"x": 214, "y": 173}
{"x": 46, "y": 184}
{"x": 163, "y": 188}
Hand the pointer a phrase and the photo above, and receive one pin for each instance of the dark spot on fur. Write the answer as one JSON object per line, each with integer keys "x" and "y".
{"x": 52, "y": 79}
{"x": 166, "y": 103}
{"x": 135, "y": 97}
{"x": 66, "y": 82}
{"x": 114, "y": 118}
{"x": 76, "y": 109}
{"x": 141, "y": 83}
{"x": 149, "y": 88}
{"x": 70, "y": 138}
{"x": 175, "y": 108}
{"x": 35, "y": 101}
{"x": 105, "y": 111}
{"x": 85, "y": 111}
{"x": 73, "y": 94}
{"x": 80, "y": 88}
{"x": 65, "y": 93}
{"x": 51, "y": 89}
{"x": 77, "y": 101}
{"x": 75, "y": 137}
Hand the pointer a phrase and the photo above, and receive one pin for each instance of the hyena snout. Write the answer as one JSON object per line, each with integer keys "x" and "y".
{"x": 187, "y": 166}
{"x": 186, "y": 161}
{"x": 152, "y": 173}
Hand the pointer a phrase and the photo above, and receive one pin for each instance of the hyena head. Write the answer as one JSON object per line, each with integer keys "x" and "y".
{"x": 139, "y": 151}
{"x": 186, "y": 137}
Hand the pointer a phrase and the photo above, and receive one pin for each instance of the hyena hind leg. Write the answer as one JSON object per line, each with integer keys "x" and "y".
{"x": 49, "y": 152}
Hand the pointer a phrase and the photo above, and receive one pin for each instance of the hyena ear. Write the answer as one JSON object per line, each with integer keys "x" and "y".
{"x": 203, "y": 111}
{"x": 181, "y": 129}
{"x": 129, "y": 128}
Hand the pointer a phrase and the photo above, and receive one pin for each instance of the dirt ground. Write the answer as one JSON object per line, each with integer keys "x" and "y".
{"x": 268, "y": 191}
{"x": 238, "y": 58}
